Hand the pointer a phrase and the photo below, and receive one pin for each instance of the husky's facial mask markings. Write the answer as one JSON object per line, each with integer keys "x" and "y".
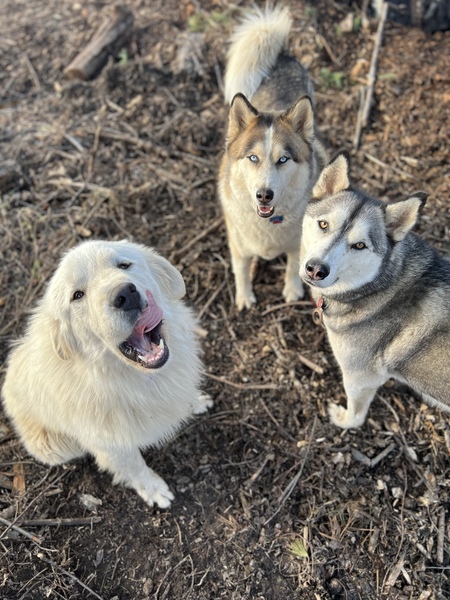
{"x": 272, "y": 157}
{"x": 382, "y": 293}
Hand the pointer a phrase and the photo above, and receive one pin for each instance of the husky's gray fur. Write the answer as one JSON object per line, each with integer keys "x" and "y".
{"x": 384, "y": 293}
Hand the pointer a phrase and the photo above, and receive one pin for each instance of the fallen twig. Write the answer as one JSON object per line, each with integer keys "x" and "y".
{"x": 368, "y": 93}
{"x": 34, "y": 538}
{"x": 372, "y": 462}
{"x": 75, "y": 521}
{"x": 380, "y": 163}
{"x": 286, "y": 305}
{"x": 241, "y": 386}
{"x": 310, "y": 364}
{"x": 441, "y": 537}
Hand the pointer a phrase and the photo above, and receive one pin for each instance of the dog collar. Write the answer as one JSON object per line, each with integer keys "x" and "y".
{"x": 276, "y": 219}
{"x": 317, "y": 315}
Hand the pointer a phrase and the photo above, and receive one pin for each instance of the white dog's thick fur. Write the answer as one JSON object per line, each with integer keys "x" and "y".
{"x": 97, "y": 372}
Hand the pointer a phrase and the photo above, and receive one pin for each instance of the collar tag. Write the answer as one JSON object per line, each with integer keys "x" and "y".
{"x": 277, "y": 219}
{"x": 317, "y": 314}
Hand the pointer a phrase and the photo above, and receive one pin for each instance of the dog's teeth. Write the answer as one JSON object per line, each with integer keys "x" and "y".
{"x": 161, "y": 344}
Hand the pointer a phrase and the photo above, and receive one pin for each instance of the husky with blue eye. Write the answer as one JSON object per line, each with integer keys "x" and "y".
{"x": 272, "y": 156}
{"x": 382, "y": 293}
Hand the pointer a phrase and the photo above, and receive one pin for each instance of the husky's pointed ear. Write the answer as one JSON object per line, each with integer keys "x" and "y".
{"x": 63, "y": 340}
{"x": 402, "y": 216}
{"x": 241, "y": 114}
{"x": 168, "y": 277}
{"x": 334, "y": 177}
{"x": 301, "y": 118}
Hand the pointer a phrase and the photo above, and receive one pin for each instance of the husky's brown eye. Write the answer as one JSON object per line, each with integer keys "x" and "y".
{"x": 323, "y": 225}
{"x": 77, "y": 295}
{"x": 359, "y": 246}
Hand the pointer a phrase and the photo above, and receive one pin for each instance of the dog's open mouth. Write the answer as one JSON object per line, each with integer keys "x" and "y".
{"x": 146, "y": 344}
{"x": 265, "y": 211}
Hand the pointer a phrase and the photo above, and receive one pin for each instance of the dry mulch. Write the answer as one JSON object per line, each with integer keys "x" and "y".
{"x": 272, "y": 501}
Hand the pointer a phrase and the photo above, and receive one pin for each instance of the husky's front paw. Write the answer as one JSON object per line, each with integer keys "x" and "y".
{"x": 341, "y": 417}
{"x": 204, "y": 402}
{"x": 156, "y": 491}
{"x": 293, "y": 290}
{"x": 245, "y": 300}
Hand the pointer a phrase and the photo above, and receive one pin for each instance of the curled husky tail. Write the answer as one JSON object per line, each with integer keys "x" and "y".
{"x": 255, "y": 45}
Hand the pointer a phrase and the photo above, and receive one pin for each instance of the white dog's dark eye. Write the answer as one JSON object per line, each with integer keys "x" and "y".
{"x": 77, "y": 295}
{"x": 253, "y": 158}
{"x": 124, "y": 265}
{"x": 282, "y": 160}
{"x": 323, "y": 225}
{"x": 359, "y": 246}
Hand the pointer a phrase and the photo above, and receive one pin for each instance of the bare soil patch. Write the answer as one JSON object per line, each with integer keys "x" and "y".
{"x": 272, "y": 501}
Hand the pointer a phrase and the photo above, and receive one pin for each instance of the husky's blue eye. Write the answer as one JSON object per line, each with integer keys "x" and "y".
{"x": 124, "y": 265}
{"x": 359, "y": 246}
{"x": 77, "y": 295}
{"x": 253, "y": 158}
{"x": 282, "y": 160}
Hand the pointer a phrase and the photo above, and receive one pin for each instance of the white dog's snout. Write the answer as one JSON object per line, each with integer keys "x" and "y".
{"x": 127, "y": 297}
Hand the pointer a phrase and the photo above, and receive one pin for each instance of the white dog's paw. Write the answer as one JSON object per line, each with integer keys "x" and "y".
{"x": 341, "y": 417}
{"x": 204, "y": 402}
{"x": 245, "y": 300}
{"x": 156, "y": 491}
{"x": 293, "y": 290}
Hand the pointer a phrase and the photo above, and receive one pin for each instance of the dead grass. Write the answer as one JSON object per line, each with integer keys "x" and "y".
{"x": 272, "y": 501}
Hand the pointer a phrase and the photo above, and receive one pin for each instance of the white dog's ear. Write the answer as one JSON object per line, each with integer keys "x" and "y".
{"x": 402, "y": 216}
{"x": 241, "y": 115}
{"x": 63, "y": 340}
{"x": 334, "y": 177}
{"x": 167, "y": 276}
{"x": 301, "y": 118}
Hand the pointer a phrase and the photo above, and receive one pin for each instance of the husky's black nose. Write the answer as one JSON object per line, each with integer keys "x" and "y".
{"x": 264, "y": 195}
{"x": 316, "y": 270}
{"x": 128, "y": 298}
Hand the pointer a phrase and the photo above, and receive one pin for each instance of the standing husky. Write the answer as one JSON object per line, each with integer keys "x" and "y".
{"x": 272, "y": 157}
{"x": 382, "y": 292}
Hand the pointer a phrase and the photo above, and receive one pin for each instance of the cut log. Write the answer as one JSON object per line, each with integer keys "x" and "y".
{"x": 112, "y": 35}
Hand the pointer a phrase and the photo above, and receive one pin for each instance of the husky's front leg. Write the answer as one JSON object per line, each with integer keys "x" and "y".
{"x": 293, "y": 287}
{"x": 129, "y": 468}
{"x": 360, "y": 389}
{"x": 241, "y": 269}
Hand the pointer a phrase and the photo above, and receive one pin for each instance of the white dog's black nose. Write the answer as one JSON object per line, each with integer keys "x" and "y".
{"x": 316, "y": 270}
{"x": 264, "y": 195}
{"x": 128, "y": 298}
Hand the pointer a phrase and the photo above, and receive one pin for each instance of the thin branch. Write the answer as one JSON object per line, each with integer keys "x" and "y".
{"x": 367, "y": 91}
{"x": 241, "y": 386}
{"x": 34, "y": 538}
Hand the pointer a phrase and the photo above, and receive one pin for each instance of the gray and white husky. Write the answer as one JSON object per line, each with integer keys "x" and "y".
{"x": 382, "y": 293}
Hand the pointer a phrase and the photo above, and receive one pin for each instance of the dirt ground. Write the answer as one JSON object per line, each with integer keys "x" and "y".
{"x": 272, "y": 501}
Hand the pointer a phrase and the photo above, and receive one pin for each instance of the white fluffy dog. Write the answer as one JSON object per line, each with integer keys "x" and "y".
{"x": 109, "y": 364}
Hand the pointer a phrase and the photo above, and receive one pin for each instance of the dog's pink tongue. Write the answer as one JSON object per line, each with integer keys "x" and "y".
{"x": 149, "y": 319}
